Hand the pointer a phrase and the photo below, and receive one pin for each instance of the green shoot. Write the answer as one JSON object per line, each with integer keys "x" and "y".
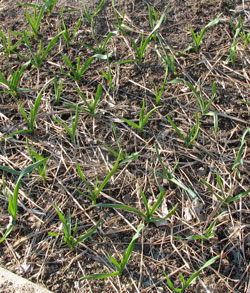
{"x": 140, "y": 50}
{"x": 233, "y": 48}
{"x": 119, "y": 266}
{"x": 40, "y": 57}
{"x": 198, "y": 37}
{"x": 13, "y": 199}
{"x": 204, "y": 106}
{"x": 12, "y": 82}
{"x": 35, "y": 158}
{"x": 87, "y": 14}
{"x": 57, "y": 89}
{"x": 168, "y": 175}
{"x": 7, "y": 44}
{"x": 65, "y": 31}
{"x": 168, "y": 60}
{"x": 191, "y": 137}
{"x": 50, "y": 4}
{"x": 97, "y": 189}
{"x": 222, "y": 197}
{"x": 245, "y": 35}
{"x": 210, "y": 232}
{"x": 124, "y": 158}
{"x": 108, "y": 76}
{"x": 100, "y": 46}
{"x": 142, "y": 119}
{"x": 90, "y": 18}
{"x": 33, "y": 113}
{"x": 184, "y": 283}
{"x": 77, "y": 73}
{"x": 72, "y": 131}
{"x": 153, "y": 19}
{"x": 36, "y": 20}
{"x": 93, "y": 104}
{"x": 120, "y": 18}
{"x": 159, "y": 92}
{"x": 148, "y": 216}
{"x": 239, "y": 160}
{"x": 69, "y": 235}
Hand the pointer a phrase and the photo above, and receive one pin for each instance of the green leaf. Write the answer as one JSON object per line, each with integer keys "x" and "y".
{"x": 120, "y": 206}
{"x": 100, "y": 276}
{"x": 129, "y": 250}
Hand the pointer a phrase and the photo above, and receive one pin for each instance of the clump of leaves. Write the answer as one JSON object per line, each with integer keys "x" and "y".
{"x": 74, "y": 121}
{"x": 184, "y": 283}
{"x": 69, "y": 235}
{"x": 198, "y": 37}
{"x": 11, "y": 82}
{"x": 142, "y": 118}
{"x": 94, "y": 192}
{"x": 35, "y": 158}
{"x": 123, "y": 155}
{"x": 223, "y": 197}
{"x": 13, "y": 199}
{"x": 191, "y": 137}
{"x": 120, "y": 266}
{"x": 148, "y": 216}
{"x": 239, "y": 160}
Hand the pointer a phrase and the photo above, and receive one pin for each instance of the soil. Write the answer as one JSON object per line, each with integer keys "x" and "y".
{"x": 29, "y": 250}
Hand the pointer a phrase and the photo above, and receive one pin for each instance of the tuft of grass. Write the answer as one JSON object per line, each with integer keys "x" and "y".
{"x": 168, "y": 175}
{"x": 69, "y": 236}
{"x": 77, "y": 73}
{"x": 198, "y": 37}
{"x": 13, "y": 199}
{"x": 68, "y": 37}
{"x": 239, "y": 160}
{"x": 8, "y": 47}
{"x": 167, "y": 59}
{"x": 210, "y": 232}
{"x": 223, "y": 198}
{"x": 142, "y": 118}
{"x": 57, "y": 90}
{"x": 35, "y": 157}
{"x": 184, "y": 283}
{"x": 50, "y": 4}
{"x": 204, "y": 106}
{"x": 74, "y": 122}
{"x": 31, "y": 117}
{"x": 108, "y": 75}
{"x": 37, "y": 59}
{"x": 241, "y": 31}
{"x": 124, "y": 158}
{"x": 159, "y": 92}
{"x": 191, "y": 137}
{"x": 11, "y": 83}
{"x": 120, "y": 266}
{"x": 91, "y": 106}
{"x": 35, "y": 20}
{"x": 94, "y": 192}
{"x": 148, "y": 216}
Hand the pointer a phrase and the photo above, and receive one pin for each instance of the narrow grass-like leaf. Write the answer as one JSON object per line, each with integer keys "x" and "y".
{"x": 100, "y": 276}
{"x": 97, "y": 189}
{"x": 35, "y": 21}
{"x": 239, "y": 161}
{"x": 129, "y": 250}
{"x": 122, "y": 207}
{"x": 184, "y": 283}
